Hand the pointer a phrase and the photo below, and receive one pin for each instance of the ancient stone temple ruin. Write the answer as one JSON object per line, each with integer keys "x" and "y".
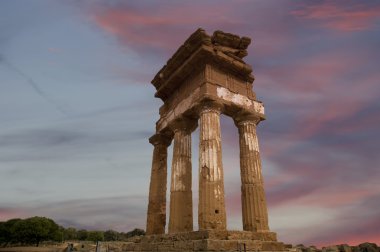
{"x": 206, "y": 77}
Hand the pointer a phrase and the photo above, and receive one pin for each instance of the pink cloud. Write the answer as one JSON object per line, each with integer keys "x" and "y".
{"x": 350, "y": 216}
{"x": 356, "y": 239}
{"x": 319, "y": 92}
{"x": 10, "y": 213}
{"x": 340, "y": 17}
{"x": 323, "y": 99}
{"x": 319, "y": 179}
{"x": 360, "y": 229}
{"x": 54, "y": 50}
{"x": 164, "y": 27}
{"x": 338, "y": 198}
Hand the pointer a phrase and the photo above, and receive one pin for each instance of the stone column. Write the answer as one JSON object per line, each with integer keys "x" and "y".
{"x": 211, "y": 208}
{"x": 181, "y": 201}
{"x": 254, "y": 207}
{"x": 156, "y": 219}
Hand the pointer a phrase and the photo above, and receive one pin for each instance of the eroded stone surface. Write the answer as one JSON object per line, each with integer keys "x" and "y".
{"x": 181, "y": 204}
{"x": 211, "y": 207}
{"x": 156, "y": 218}
{"x": 255, "y": 215}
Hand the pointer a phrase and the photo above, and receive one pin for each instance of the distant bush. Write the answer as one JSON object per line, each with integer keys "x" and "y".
{"x": 82, "y": 235}
{"x": 36, "y": 229}
{"x": 135, "y": 232}
{"x": 29, "y": 231}
{"x": 95, "y": 236}
{"x": 6, "y": 235}
{"x": 111, "y": 235}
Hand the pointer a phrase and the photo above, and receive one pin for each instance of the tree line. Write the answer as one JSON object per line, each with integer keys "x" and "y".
{"x": 36, "y": 229}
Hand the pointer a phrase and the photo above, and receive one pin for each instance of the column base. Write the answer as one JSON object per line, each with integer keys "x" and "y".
{"x": 208, "y": 240}
{"x": 157, "y": 223}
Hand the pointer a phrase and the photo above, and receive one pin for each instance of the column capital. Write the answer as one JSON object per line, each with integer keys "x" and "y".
{"x": 243, "y": 118}
{"x": 210, "y": 106}
{"x": 160, "y": 138}
{"x": 184, "y": 123}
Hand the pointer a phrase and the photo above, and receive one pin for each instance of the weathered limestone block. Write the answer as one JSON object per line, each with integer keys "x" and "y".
{"x": 254, "y": 207}
{"x": 248, "y": 235}
{"x": 272, "y": 246}
{"x": 221, "y": 245}
{"x": 156, "y": 219}
{"x": 200, "y": 245}
{"x": 181, "y": 202}
{"x": 211, "y": 208}
{"x": 186, "y": 245}
{"x": 230, "y": 40}
{"x": 184, "y": 52}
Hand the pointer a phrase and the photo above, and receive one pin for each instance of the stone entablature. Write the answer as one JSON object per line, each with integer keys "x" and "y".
{"x": 206, "y": 68}
{"x": 223, "y": 49}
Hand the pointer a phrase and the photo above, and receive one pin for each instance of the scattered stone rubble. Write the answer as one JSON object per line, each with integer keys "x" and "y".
{"x": 363, "y": 247}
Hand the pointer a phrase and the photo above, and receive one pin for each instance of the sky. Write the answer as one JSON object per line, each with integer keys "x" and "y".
{"x": 77, "y": 109}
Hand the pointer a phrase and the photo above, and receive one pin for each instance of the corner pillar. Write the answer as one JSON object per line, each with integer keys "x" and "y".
{"x": 254, "y": 206}
{"x": 156, "y": 219}
{"x": 211, "y": 207}
{"x": 181, "y": 201}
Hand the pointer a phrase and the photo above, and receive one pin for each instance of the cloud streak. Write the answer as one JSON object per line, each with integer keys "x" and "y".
{"x": 352, "y": 17}
{"x": 36, "y": 87}
{"x": 154, "y": 28}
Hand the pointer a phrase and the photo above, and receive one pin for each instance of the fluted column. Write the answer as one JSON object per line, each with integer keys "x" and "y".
{"x": 254, "y": 207}
{"x": 156, "y": 219}
{"x": 181, "y": 202}
{"x": 211, "y": 208}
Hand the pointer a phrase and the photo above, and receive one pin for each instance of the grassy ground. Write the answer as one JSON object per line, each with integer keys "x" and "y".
{"x": 62, "y": 247}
